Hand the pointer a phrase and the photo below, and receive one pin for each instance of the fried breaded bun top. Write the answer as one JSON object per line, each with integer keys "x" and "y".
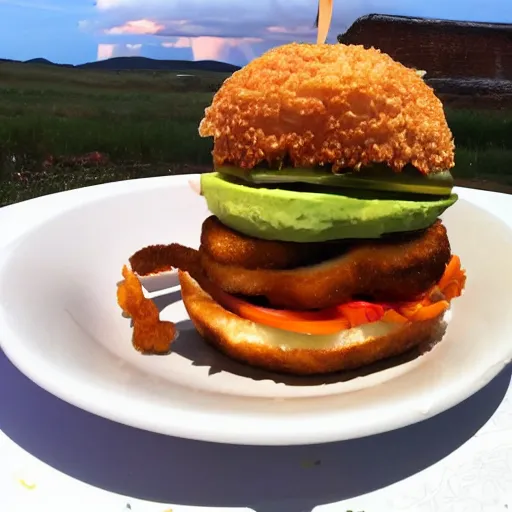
{"x": 343, "y": 105}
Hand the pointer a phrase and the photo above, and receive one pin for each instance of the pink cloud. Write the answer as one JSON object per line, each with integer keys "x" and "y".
{"x": 214, "y": 48}
{"x": 182, "y": 42}
{"x": 209, "y": 48}
{"x": 277, "y": 30}
{"x": 106, "y": 51}
{"x": 136, "y": 27}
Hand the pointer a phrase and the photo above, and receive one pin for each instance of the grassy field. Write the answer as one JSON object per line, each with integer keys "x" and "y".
{"x": 145, "y": 124}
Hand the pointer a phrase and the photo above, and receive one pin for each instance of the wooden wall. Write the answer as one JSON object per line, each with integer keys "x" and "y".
{"x": 442, "y": 48}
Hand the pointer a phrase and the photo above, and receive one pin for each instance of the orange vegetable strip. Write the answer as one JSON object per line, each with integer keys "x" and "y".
{"x": 280, "y": 319}
{"x": 452, "y": 290}
{"x": 410, "y": 309}
{"x": 393, "y": 316}
{"x": 452, "y": 269}
{"x": 432, "y": 311}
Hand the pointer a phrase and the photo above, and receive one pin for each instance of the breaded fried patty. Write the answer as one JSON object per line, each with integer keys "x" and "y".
{"x": 230, "y": 247}
{"x": 395, "y": 269}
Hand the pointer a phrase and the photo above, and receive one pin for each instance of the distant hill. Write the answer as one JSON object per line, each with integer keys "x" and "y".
{"x": 39, "y": 61}
{"x": 46, "y": 62}
{"x": 141, "y": 63}
{"x": 133, "y": 63}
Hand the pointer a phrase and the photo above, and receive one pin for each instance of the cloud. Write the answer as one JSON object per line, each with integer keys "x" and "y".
{"x": 235, "y": 18}
{"x": 222, "y": 18}
{"x": 225, "y": 30}
{"x": 136, "y": 27}
{"x": 236, "y": 31}
{"x": 108, "y": 4}
{"x": 108, "y": 51}
{"x": 181, "y": 42}
{"x": 217, "y": 48}
{"x": 278, "y": 29}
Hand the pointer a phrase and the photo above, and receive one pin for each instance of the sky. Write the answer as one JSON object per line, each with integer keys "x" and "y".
{"x": 234, "y": 31}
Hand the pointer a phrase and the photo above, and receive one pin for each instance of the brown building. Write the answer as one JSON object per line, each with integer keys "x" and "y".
{"x": 444, "y": 49}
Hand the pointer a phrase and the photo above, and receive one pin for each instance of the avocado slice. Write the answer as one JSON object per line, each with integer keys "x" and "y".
{"x": 376, "y": 177}
{"x": 287, "y": 215}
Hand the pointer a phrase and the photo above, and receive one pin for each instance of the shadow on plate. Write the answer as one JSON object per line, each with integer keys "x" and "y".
{"x": 199, "y": 353}
{"x": 153, "y": 467}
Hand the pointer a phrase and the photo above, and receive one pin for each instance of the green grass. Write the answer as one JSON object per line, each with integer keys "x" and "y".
{"x": 147, "y": 123}
{"x": 35, "y": 136}
{"x": 490, "y": 164}
{"x": 28, "y": 185}
{"x": 475, "y": 129}
{"x": 130, "y": 116}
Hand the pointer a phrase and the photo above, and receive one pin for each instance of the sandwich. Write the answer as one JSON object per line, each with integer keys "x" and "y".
{"x": 324, "y": 250}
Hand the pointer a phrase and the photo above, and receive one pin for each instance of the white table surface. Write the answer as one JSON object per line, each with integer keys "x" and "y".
{"x": 54, "y": 456}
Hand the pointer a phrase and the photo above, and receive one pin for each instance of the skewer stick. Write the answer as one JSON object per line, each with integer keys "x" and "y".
{"x": 324, "y": 20}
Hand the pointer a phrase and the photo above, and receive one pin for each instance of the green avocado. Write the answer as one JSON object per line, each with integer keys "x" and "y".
{"x": 303, "y": 216}
{"x": 376, "y": 177}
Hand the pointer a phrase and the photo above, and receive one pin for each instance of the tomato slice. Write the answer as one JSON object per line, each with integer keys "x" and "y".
{"x": 360, "y": 312}
{"x": 328, "y": 321}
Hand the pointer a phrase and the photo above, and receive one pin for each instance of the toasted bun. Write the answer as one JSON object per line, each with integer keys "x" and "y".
{"x": 310, "y": 104}
{"x": 299, "y": 354}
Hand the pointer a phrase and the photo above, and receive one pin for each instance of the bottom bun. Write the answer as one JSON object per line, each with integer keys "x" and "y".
{"x": 300, "y": 354}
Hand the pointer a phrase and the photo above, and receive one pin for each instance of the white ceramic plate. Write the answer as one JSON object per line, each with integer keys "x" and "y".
{"x": 61, "y": 326}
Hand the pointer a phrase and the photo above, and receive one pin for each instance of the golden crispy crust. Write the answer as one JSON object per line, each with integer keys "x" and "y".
{"x": 154, "y": 259}
{"x": 336, "y": 104}
{"x": 328, "y": 104}
{"x": 382, "y": 271}
{"x": 235, "y": 337}
{"x": 230, "y": 247}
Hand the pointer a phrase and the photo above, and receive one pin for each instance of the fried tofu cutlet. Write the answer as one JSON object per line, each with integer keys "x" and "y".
{"x": 397, "y": 268}
{"x": 229, "y": 247}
